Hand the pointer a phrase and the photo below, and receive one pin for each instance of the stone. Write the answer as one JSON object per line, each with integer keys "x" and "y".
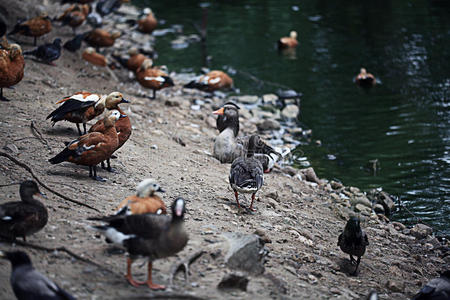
{"x": 382, "y": 198}
{"x": 421, "y": 231}
{"x": 268, "y": 124}
{"x": 310, "y": 175}
{"x": 290, "y": 111}
{"x": 399, "y": 226}
{"x": 270, "y": 98}
{"x": 361, "y": 200}
{"x": 246, "y": 252}
{"x": 248, "y": 99}
{"x": 289, "y": 170}
{"x": 336, "y": 185}
{"x": 394, "y": 286}
{"x": 11, "y": 148}
{"x": 363, "y": 209}
{"x": 172, "y": 102}
{"x": 378, "y": 208}
{"x": 234, "y": 281}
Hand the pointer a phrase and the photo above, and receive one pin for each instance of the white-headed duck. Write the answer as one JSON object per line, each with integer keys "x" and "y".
{"x": 82, "y": 107}
{"x": 12, "y": 64}
{"x": 152, "y": 77}
{"x": 34, "y": 27}
{"x": 92, "y": 148}
{"x": 212, "y": 81}
{"x": 288, "y": 41}
{"x": 147, "y": 23}
{"x": 365, "y": 79}
{"x": 147, "y": 235}
{"x": 146, "y": 199}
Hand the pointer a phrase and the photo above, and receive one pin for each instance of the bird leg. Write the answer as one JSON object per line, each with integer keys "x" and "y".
{"x": 352, "y": 260}
{"x": 90, "y": 171}
{"x": 129, "y": 277}
{"x": 84, "y": 127}
{"x": 95, "y": 177}
{"x": 108, "y": 168}
{"x": 150, "y": 284}
{"x": 154, "y": 95}
{"x": 357, "y": 264}
{"x": 1, "y": 95}
{"x": 79, "y": 130}
{"x": 35, "y": 39}
{"x": 103, "y": 164}
{"x": 237, "y": 198}
{"x": 251, "y": 204}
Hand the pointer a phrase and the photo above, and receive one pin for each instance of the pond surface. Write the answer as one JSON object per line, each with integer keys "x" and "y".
{"x": 404, "y": 122}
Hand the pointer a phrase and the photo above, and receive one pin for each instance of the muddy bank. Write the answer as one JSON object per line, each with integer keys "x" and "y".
{"x": 298, "y": 218}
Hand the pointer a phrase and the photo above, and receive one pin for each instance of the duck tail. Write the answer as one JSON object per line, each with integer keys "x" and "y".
{"x": 62, "y": 156}
{"x": 30, "y": 52}
{"x": 194, "y": 85}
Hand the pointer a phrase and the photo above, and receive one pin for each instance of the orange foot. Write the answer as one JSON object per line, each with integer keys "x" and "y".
{"x": 155, "y": 286}
{"x": 134, "y": 282}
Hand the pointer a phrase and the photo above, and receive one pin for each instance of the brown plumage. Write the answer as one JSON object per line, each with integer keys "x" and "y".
{"x": 82, "y": 107}
{"x": 91, "y": 56}
{"x": 101, "y": 38}
{"x": 152, "y": 77}
{"x": 35, "y": 27}
{"x": 123, "y": 128}
{"x": 24, "y": 217}
{"x": 136, "y": 59}
{"x": 212, "y": 81}
{"x": 12, "y": 64}
{"x": 92, "y": 148}
{"x": 146, "y": 200}
{"x": 365, "y": 79}
{"x": 148, "y": 23}
{"x": 288, "y": 42}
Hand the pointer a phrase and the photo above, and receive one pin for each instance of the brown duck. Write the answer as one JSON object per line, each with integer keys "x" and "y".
{"x": 25, "y": 217}
{"x": 101, "y": 38}
{"x": 152, "y": 77}
{"x": 35, "y": 27}
{"x": 365, "y": 79}
{"x": 91, "y": 56}
{"x": 145, "y": 201}
{"x": 288, "y": 41}
{"x": 92, "y": 148}
{"x": 12, "y": 64}
{"x": 212, "y": 81}
{"x": 147, "y": 23}
{"x": 147, "y": 235}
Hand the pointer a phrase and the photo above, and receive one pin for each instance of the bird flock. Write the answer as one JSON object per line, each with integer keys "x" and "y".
{"x": 140, "y": 224}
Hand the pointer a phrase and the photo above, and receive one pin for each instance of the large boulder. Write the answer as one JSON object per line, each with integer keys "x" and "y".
{"x": 421, "y": 231}
{"x": 383, "y": 198}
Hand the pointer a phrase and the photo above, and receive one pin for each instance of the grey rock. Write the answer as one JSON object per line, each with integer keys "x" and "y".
{"x": 270, "y": 98}
{"x": 361, "y": 200}
{"x": 11, "y": 148}
{"x": 382, "y": 198}
{"x": 363, "y": 209}
{"x": 336, "y": 185}
{"x": 378, "y": 208}
{"x": 234, "y": 281}
{"x": 290, "y": 111}
{"x": 399, "y": 226}
{"x": 248, "y": 99}
{"x": 246, "y": 252}
{"x": 394, "y": 286}
{"x": 268, "y": 124}
{"x": 421, "y": 231}
{"x": 310, "y": 175}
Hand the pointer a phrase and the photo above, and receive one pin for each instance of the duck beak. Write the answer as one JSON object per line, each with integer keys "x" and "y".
{"x": 124, "y": 101}
{"x": 219, "y": 111}
{"x": 161, "y": 190}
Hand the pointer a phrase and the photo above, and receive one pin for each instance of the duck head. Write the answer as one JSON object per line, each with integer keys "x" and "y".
{"x": 146, "y": 64}
{"x": 228, "y": 117}
{"x": 353, "y": 226}
{"x": 14, "y": 51}
{"x": 114, "y": 99}
{"x": 133, "y": 51}
{"x": 178, "y": 209}
{"x": 111, "y": 118}
{"x": 17, "y": 258}
{"x": 28, "y": 190}
{"x": 293, "y": 34}
{"x": 148, "y": 187}
{"x": 363, "y": 71}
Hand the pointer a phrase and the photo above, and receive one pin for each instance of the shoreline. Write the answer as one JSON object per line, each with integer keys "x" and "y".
{"x": 297, "y": 220}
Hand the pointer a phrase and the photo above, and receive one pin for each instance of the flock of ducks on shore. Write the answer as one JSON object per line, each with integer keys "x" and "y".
{"x": 141, "y": 224}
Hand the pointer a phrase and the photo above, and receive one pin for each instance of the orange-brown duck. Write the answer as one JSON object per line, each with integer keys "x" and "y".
{"x": 82, "y": 107}
{"x": 152, "y": 77}
{"x": 101, "y": 38}
{"x": 12, "y": 64}
{"x": 212, "y": 81}
{"x": 75, "y": 15}
{"x": 288, "y": 42}
{"x": 147, "y": 23}
{"x": 147, "y": 235}
{"x": 145, "y": 201}
{"x": 123, "y": 128}
{"x": 365, "y": 79}
{"x": 92, "y": 148}
{"x": 23, "y": 218}
{"x": 91, "y": 56}
{"x": 35, "y": 27}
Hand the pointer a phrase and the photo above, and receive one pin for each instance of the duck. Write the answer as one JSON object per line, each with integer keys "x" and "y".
{"x": 147, "y": 23}
{"x": 288, "y": 42}
{"x": 28, "y": 283}
{"x": 82, "y": 107}
{"x": 436, "y": 289}
{"x": 147, "y": 235}
{"x": 34, "y": 27}
{"x": 106, "y": 7}
{"x": 353, "y": 241}
{"x": 74, "y": 44}
{"x": 246, "y": 173}
{"x": 136, "y": 59}
{"x": 152, "y": 77}
{"x": 123, "y": 128}
{"x": 228, "y": 146}
{"x": 145, "y": 201}
{"x": 212, "y": 81}
{"x": 365, "y": 79}
{"x": 47, "y": 53}
{"x": 92, "y": 148}
{"x": 101, "y": 38}
{"x": 12, "y": 65}
{"x": 91, "y": 56}
{"x": 26, "y": 217}
{"x": 74, "y": 16}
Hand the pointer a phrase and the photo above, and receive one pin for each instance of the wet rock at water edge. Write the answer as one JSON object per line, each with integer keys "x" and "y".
{"x": 248, "y": 99}
{"x": 268, "y": 124}
{"x": 382, "y": 198}
{"x": 421, "y": 231}
{"x": 234, "y": 281}
{"x": 291, "y": 111}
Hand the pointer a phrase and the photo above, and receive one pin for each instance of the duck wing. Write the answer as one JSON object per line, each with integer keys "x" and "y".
{"x": 246, "y": 173}
{"x": 68, "y": 106}
{"x": 13, "y": 213}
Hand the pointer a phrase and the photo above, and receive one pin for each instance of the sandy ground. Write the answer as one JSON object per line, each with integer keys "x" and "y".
{"x": 299, "y": 218}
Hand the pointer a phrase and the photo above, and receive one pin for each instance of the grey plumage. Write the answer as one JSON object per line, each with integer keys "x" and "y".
{"x": 47, "y": 52}
{"x": 353, "y": 241}
{"x": 436, "y": 288}
{"x": 28, "y": 283}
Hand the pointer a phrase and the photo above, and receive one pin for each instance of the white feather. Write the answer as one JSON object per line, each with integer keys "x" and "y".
{"x": 79, "y": 97}
{"x": 214, "y": 80}
{"x": 117, "y": 237}
{"x": 159, "y": 78}
{"x": 6, "y": 218}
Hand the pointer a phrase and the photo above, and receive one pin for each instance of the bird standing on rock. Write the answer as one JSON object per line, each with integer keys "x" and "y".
{"x": 28, "y": 283}
{"x": 92, "y": 148}
{"x": 147, "y": 235}
{"x": 246, "y": 173}
{"x": 353, "y": 241}
{"x": 12, "y": 64}
{"x": 47, "y": 53}
{"x": 436, "y": 288}
{"x": 26, "y": 217}
{"x": 35, "y": 27}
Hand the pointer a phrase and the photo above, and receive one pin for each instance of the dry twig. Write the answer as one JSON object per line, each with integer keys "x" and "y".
{"x": 35, "y": 131}
{"x": 26, "y": 167}
{"x": 184, "y": 264}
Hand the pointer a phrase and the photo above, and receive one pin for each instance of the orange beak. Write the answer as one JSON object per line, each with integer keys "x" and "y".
{"x": 219, "y": 111}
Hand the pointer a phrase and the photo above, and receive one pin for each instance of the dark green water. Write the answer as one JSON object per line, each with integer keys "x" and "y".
{"x": 403, "y": 122}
